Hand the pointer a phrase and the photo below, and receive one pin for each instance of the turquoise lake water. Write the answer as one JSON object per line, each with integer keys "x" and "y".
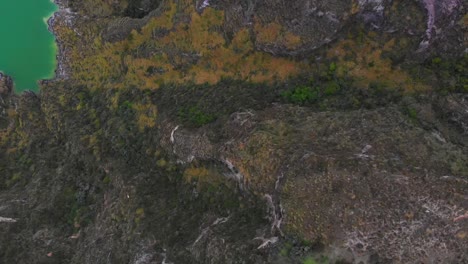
{"x": 27, "y": 48}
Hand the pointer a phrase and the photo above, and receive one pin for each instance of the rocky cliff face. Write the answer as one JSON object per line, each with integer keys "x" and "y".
{"x": 242, "y": 132}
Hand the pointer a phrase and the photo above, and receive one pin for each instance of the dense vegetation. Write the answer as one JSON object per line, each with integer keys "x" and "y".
{"x": 184, "y": 133}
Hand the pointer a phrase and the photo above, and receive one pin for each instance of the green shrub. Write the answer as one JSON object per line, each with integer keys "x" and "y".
{"x": 332, "y": 88}
{"x": 286, "y": 249}
{"x": 412, "y": 113}
{"x": 14, "y": 179}
{"x": 301, "y": 95}
{"x": 436, "y": 61}
{"x": 451, "y": 74}
{"x": 332, "y": 68}
{"x": 195, "y": 116}
{"x": 106, "y": 180}
{"x": 309, "y": 260}
{"x": 127, "y": 105}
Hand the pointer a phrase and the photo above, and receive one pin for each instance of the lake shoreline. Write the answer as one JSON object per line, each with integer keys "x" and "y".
{"x": 51, "y": 22}
{"x": 62, "y": 15}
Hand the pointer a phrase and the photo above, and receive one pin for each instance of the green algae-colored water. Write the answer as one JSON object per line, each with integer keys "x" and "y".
{"x": 27, "y": 48}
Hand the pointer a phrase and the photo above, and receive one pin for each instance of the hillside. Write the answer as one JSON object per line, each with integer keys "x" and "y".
{"x": 246, "y": 131}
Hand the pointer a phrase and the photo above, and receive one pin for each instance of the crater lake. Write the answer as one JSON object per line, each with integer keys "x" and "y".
{"x": 27, "y": 48}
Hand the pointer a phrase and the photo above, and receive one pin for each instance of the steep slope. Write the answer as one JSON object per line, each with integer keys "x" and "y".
{"x": 241, "y": 132}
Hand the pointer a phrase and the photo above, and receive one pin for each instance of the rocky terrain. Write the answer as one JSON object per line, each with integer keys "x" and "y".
{"x": 247, "y": 131}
